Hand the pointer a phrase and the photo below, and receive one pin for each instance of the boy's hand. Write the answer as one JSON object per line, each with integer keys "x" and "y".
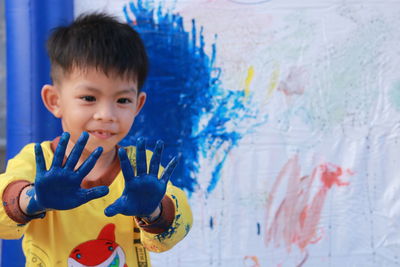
{"x": 59, "y": 187}
{"x": 143, "y": 192}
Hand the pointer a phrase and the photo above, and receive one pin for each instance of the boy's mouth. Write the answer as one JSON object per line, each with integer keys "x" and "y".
{"x": 101, "y": 134}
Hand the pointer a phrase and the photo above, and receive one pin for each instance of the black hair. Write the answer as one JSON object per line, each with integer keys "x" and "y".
{"x": 98, "y": 40}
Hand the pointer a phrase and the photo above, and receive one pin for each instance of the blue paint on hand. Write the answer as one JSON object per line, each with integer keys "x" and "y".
{"x": 59, "y": 187}
{"x": 30, "y": 192}
{"x": 144, "y": 191}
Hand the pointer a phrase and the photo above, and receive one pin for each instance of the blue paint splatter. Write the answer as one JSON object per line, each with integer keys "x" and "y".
{"x": 171, "y": 230}
{"x": 211, "y": 223}
{"x": 186, "y": 105}
{"x": 176, "y": 201}
{"x": 258, "y": 228}
{"x": 187, "y": 229}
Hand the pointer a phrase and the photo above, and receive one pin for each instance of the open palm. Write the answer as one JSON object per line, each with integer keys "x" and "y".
{"x": 59, "y": 187}
{"x": 144, "y": 191}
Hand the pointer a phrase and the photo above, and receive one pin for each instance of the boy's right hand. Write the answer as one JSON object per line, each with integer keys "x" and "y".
{"x": 59, "y": 187}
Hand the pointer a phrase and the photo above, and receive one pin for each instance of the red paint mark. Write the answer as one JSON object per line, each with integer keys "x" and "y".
{"x": 295, "y": 222}
{"x": 253, "y": 260}
{"x": 330, "y": 175}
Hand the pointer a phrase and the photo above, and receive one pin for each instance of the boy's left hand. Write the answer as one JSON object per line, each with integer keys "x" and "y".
{"x": 143, "y": 192}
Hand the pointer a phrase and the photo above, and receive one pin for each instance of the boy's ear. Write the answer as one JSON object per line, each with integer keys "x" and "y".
{"x": 140, "y": 102}
{"x": 51, "y": 99}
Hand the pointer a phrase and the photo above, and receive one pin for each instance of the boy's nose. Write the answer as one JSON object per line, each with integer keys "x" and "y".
{"x": 105, "y": 113}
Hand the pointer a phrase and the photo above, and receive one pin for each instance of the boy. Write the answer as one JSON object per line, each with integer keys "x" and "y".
{"x": 101, "y": 205}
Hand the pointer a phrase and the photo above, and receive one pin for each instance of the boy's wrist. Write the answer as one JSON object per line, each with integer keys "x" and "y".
{"x": 163, "y": 222}
{"x": 154, "y": 215}
{"x": 11, "y": 198}
{"x": 29, "y": 204}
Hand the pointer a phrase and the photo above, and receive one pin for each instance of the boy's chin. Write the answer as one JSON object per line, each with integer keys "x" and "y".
{"x": 106, "y": 147}
{"x": 107, "y": 144}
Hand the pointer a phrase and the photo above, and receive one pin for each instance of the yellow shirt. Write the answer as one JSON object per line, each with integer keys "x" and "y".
{"x": 84, "y": 235}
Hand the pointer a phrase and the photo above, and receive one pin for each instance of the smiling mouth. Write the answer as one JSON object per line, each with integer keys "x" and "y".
{"x": 101, "y": 134}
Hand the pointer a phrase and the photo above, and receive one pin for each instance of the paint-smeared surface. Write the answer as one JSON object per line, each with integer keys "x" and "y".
{"x": 296, "y": 220}
{"x": 324, "y": 76}
{"x": 187, "y": 106}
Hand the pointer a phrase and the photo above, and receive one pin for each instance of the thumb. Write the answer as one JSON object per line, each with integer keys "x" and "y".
{"x": 113, "y": 209}
{"x": 95, "y": 192}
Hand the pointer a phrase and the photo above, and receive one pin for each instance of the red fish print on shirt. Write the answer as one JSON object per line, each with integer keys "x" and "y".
{"x": 100, "y": 252}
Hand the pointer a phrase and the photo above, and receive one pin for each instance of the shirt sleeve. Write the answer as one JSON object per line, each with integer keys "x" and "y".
{"x": 20, "y": 168}
{"x": 176, "y": 209}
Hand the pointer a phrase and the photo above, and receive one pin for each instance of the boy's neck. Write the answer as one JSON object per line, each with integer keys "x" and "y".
{"x": 104, "y": 161}
{"x": 105, "y": 170}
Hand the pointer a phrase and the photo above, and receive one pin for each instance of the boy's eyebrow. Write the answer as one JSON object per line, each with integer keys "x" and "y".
{"x": 124, "y": 91}
{"x": 131, "y": 90}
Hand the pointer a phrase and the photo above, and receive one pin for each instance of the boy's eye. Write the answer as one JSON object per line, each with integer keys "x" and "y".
{"x": 124, "y": 101}
{"x": 88, "y": 98}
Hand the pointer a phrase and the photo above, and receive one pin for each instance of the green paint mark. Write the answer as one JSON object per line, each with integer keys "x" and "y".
{"x": 394, "y": 95}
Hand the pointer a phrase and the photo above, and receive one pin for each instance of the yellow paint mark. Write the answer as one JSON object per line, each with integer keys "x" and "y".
{"x": 249, "y": 78}
{"x": 273, "y": 82}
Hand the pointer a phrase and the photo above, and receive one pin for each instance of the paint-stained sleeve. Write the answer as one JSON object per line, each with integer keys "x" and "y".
{"x": 21, "y": 167}
{"x": 182, "y": 220}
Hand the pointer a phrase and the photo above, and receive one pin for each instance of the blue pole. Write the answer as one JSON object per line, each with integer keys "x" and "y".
{"x": 28, "y": 24}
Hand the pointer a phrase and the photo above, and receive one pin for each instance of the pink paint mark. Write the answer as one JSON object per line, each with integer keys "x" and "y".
{"x": 296, "y": 219}
{"x": 294, "y": 83}
{"x": 253, "y": 260}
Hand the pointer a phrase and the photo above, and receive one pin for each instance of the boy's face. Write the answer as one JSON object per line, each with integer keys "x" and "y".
{"x": 104, "y": 106}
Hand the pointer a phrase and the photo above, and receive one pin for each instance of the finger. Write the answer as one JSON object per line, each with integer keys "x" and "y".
{"x": 113, "y": 209}
{"x": 169, "y": 169}
{"x": 40, "y": 162}
{"x": 93, "y": 193}
{"x": 141, "y": 164}
{"x": 60, "y": 150}
{"x": 156, "y": 158}
{"x": 125, "y": 163}
{"x": 89, "y": 163}
{"x": 77, "y": 151}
